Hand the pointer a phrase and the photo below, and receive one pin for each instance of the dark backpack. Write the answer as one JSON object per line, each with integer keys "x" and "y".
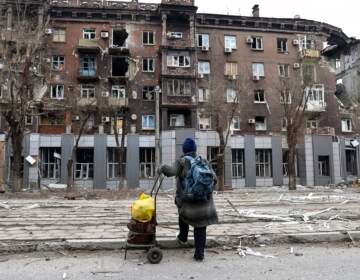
{"x": 199, "y": 180}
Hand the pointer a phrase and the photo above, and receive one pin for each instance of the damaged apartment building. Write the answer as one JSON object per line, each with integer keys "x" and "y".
{"x": 158, "y": 66}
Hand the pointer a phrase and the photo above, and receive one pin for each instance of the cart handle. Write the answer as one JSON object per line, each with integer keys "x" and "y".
{"x": 159, "y": 179}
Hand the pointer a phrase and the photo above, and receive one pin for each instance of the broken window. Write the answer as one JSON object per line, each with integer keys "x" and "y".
{"x": 285, "y": 162}
{"x": 338, "y": 63}
{"x": 149, "y": 64}
{"x": 50, "y": 163}
{"x": 59, "y": 35}
{"x": 177, "y": 87}
{"x": 52, "y": 119}
{"x": 148, "y": 122}
{"x": 119, "y": 38}
{"x": 238, "y": 166}
{"x": 260, "y": 124}
{"x": 88, "y": 66}
{"x": 324, "y": 165}
{"x": 258, "y": 70}
{"x": 84, "y": 167}
{"x": 259, "y": 96}
{"x": 308, "y": 73}
{"x": 203, "y": 94}
{"x": 203, "y": 40}
{"x": 148, "y": 93}
{"x": 118, "y": 92}
{"x": 204, "y": 123}
{"x": 283, "y": 70}
{"x": 204, "y": 67}
{"x": 230, "y": 42}
{"x": 120, "y": 66}
{"x": 305, "y": 42}
{"x": 257, "y": 43}
{"x": 312, "y": 124}
{"x": 212, "y": 153}
{"x": 58, "y": 62}
{"x": 231, "y": 69}
{"x": 235, "y": 124}
{"x": 175, "y": 35}
{"x": 87, "y": 91}
{"x": 282, "y": 46}
{"x": 177, "y": 120}
{"x": 115, "y": 169}
{"x": 285, "y": 97}
{"x": 147, "y": 163}
{"x": 28, "y": 120}
{"x": 231, "y": 96}
{"x": 148, "y": 38}
{"x": 89, "y": 33}
{"x": 315, "y": 97}
{"x": 351, "y": 162}
{"x": 346, "y": 125}
{"x": 178, "y": 61}
{"x": 263, "y": 163}
{"x": 284, "y": 124}
{"x": 57, "y": 92}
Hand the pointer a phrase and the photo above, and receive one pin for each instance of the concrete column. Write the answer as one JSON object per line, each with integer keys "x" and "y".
{"x": 164, "y": 29}
{"x": 192, "y": 31}
{"x": 336, "y": 163}
{"x": 133, "y": 160}
{"x": 276, "y": 143}
{"x": 100, "y": 163}
{"x": 26, "y": 152}
{"x": 194, "y": 119}
{"x": 309, "y": 161}
{"x": 9, "y": 17}
{"x": 228, "y": 166}
{"x": 250, "y": 163}
{"x": 67, "y": 144}
{"x": 164, "y": 119}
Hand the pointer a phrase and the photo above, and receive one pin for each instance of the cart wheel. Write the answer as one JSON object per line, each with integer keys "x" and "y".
{"x": 154, "y": 255}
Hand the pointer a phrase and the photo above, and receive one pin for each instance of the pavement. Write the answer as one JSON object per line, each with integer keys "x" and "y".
{"x": 261, "y": 216}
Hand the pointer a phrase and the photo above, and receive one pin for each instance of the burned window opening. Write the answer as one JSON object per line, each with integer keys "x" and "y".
{"x": 120, "y": 66}
{"x": 351, "y": 162}
{"x": 119, "y": 38}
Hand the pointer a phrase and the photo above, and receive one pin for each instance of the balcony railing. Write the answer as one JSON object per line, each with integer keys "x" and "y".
{"x": 104, "y": 4}
{"x": 309, "y": 53}
{"x": 316, "y": 106}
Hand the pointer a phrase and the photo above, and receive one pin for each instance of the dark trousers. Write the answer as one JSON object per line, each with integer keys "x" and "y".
{"x": 199, "y": 237}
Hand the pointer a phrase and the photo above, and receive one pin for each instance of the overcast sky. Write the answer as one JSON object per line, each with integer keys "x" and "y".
{"x": 344, "y": 14}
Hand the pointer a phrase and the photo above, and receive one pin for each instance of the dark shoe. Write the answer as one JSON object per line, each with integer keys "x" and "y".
{"x": 199, "y": 258}
{"x": 181, "y": 242}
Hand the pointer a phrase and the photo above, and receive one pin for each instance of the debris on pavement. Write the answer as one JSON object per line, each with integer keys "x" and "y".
{"x": 33, "y": 206}
{"x": 246, "y": 251}
{"x": 308, "y": 215}
{"x": 3, "y": 205}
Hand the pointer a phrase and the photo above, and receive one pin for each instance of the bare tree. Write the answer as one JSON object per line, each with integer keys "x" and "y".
{"x": 21, "y": 72}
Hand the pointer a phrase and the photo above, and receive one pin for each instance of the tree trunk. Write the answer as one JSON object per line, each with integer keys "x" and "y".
{"x": 221, "y": 164}
{"x": 70, "y": 171}
{"x": 292, "y": 162}
{"x": 16, "y": 165}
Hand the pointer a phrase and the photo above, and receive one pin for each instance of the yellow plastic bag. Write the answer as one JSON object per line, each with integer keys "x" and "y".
{"x": 143, "y": 209}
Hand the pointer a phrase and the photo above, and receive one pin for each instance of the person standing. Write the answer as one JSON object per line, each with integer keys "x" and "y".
{"x": 196, "y": 213}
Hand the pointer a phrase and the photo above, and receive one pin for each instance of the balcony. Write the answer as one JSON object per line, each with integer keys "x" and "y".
{"x": 88, "y": 75}
{"x": 118, "y": 102}
{"x": 178, "y": 2}
{"x": 88, "y": 46}
{"x": 316, "y": 106}
{"x": 85, "y": 102}
{"x": 310, "y": 54}
{"x": 103, "y": 4}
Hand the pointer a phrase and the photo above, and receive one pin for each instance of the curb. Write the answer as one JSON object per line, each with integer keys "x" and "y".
{"x": 170, "y": 243}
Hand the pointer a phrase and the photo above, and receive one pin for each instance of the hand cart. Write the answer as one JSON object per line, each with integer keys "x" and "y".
{"x": 143, "y": 235}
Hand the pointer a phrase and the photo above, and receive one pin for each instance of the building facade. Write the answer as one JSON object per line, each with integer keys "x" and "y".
{"x": 150, "y": 71}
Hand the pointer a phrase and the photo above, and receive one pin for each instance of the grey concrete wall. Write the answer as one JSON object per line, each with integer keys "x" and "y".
{"x": 343, "y": 159}
{"x": 228, "y": 166}
{"x": 67, "y": 144}
{"x": 133, "y": 161}
{"x": 250, "y": 164}
{"x": 276, "y": 143}
{"x": 100, "y": 162}
{"x": 336, "y": 167}
{"x": 26, "y": 152}
{"x": 322, "y": 146}
{"x": 301, "y": 164}
{"x": 164, "y": 119}
{"x": 309, "y": 161}
{"x": 180, "y": 136}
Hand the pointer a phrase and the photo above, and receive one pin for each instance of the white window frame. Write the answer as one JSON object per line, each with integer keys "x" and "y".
{"x": 230, "y": 42}
{"x": 28, "y": 120}
{"x": 231, "y": 95}
{"x": 235, "y": 124}
{"x": 114, "y": 168}
{"x": 203, "y": 94}
{"x": 283, "y": 45}
{"x": 89, "y": 33}
{"x": 83, "y": 169}
{"x": 118, "y": 92}
{"x": 284, "y": 70}
{"x": 263, "y": 158}
{"x": 49, "y": 164}
{"x": 88, "y": 91}
{"x": 285, "y": 97}
{"x": 258, "y": 69}
{"x": 231, "y": 69}
{"x": 59, "y": 35}
{"x": 58, "y": 62}
{"x": 178, "y": 87}
{"x": 57, "y": 91}
{"x": 204, "y": 123}
{"x": 146, "y": 122}
{"x": 257, "y": 43}
{"x": 204, "y": 67}
{"x": 260, "y": 126}
{"x": 284, "y": 124}
{"x": 203, "y": 40}
{"x": 150, "y": 63}
{"x": 179, "y": 61}
{"x": 259, "y": 96}
{"x": 305, "y": 43}
{"x": 177, "y": 120}
{"x": 147, "y": 163}
{"x": 324, "y": 166}
{"x": 238, "y": 163}
{"x": 147, "y": 35}
{"x": 346, "y": 125}
{"x": 312, "y": 124}
{"x": 149, "y": 90}
{"x": 315, "y": 96}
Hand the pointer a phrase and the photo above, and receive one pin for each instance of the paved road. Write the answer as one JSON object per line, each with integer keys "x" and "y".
{"x": 54, "y": 219}
{"x": 330, "y": 263}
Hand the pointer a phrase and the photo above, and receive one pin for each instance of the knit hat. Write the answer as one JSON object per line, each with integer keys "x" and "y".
{"x": 189, "y": 146}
